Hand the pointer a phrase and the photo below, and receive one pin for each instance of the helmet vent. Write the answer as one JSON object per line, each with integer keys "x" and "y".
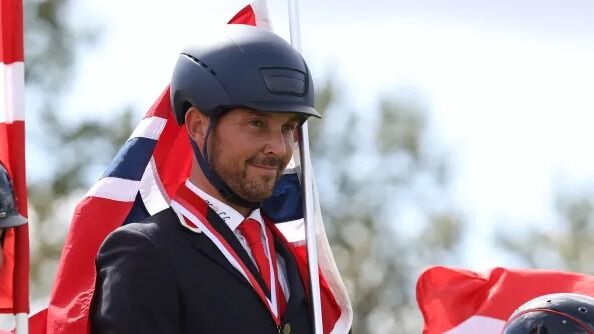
{"x": 199, "y": 62}
{"x": 284, "y": 81}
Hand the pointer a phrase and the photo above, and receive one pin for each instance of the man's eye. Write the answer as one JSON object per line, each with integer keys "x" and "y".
{"x": 289, "y": 127}
{"x": 257, "y": 124}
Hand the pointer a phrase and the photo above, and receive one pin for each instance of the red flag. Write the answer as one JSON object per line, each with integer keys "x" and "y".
{"x": 14, "y": 271}
{"x": 141, "y": 180}
{"x": 254, "y": 14}
{"x": 458, "y": 301}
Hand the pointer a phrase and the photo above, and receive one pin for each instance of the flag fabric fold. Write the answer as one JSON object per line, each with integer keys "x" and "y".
{"x": 14, "y": 267}
{"x": 140, "y": 181}
{"x": 458, "y": 301}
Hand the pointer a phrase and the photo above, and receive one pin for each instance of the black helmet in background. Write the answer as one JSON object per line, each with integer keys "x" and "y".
{"x": 560, "y": 313}
{"x": 9, "y": 214}
{"x": 239, "y": 67}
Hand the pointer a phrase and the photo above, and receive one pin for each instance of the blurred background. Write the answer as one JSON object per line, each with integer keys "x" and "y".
{"x": 454, "y": 132}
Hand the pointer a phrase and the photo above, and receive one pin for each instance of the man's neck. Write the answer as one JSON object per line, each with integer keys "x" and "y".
{"x": 244, "y": 211}
{"x": 212, "y": 191}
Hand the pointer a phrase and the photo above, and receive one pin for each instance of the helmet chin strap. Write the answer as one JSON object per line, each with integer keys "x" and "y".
{"x": 213, "y": 177}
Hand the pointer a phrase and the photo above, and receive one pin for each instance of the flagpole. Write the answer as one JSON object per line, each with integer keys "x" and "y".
{"x": 22, "y": 323}
{"x": 307, "y": 181}
{"x": 12, "y": 152}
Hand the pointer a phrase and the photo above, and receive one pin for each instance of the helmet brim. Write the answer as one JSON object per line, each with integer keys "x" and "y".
{"x": 284, "y": 108}
{"x": 12, "y": 221}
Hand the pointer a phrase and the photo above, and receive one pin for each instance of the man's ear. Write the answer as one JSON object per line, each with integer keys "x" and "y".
{"x": 196, "y": 124}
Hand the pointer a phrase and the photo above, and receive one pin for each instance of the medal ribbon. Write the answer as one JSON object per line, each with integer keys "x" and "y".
{"x": 193, "y": 208}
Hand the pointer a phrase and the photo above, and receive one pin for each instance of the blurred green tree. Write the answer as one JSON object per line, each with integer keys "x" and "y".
{"x": 567, "y": 244}
{"x": 73, "y": 152}
{"x": 383, "y": 197}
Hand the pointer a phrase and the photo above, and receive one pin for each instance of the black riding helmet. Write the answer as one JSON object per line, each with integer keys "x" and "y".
{"x": 244, "y": 67}
{"x": 9, "y": 214}
{"x": 560, "y": 313}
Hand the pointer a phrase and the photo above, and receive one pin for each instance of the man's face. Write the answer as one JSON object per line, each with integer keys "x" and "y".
{"x": 250, "y": 149}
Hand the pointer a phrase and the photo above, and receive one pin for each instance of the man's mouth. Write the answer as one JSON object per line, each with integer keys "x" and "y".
{"x": 266, "y": 167}
{"x": 271, "y": 163}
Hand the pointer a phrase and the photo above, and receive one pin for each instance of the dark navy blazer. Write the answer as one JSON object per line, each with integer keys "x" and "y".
{"x": 158, "y": 277}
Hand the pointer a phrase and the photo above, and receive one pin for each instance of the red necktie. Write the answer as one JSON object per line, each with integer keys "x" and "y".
{"x": 252, "y": 232}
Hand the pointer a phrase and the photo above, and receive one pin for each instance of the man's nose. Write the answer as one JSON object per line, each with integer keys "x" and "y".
{"x": 276, "y": 143}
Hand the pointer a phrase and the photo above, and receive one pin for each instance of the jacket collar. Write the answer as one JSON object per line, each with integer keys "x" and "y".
{"x": 228, "y": 214}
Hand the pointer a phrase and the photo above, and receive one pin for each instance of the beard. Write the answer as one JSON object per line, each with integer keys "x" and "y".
{"x": 249, "y": 186}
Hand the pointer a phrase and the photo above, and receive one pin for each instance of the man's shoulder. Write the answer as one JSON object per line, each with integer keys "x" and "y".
{"x": 161, "y": 221}
{"x": 157, "y": 229}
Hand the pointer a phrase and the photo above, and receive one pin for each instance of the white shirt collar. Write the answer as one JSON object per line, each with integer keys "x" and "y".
{"x": 229, "y": 215}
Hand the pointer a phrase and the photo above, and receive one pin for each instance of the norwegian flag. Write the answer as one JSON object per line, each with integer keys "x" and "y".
{"x": 458, "y": 301}
{"x": 139, "y": 182}
{"x": 14, "y": 269}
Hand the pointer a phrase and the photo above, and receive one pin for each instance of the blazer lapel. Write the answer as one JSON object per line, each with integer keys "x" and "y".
{"x": 209, "y": 249}
{"x": 297, "y": 294}
{"x": 296, "y": 280}
{"x": 206, "y": 247}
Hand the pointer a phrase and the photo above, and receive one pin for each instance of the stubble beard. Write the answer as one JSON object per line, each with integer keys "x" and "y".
{"x": 254, "y": 188}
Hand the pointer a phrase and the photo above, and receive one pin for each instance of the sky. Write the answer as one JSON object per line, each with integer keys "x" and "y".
{"x": 507, "y": 84}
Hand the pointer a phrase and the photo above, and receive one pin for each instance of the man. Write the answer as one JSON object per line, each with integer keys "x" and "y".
{"x": 559, "y": 313}
{"x": 214, "y": 262}
{"x": 9, "y": 214}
